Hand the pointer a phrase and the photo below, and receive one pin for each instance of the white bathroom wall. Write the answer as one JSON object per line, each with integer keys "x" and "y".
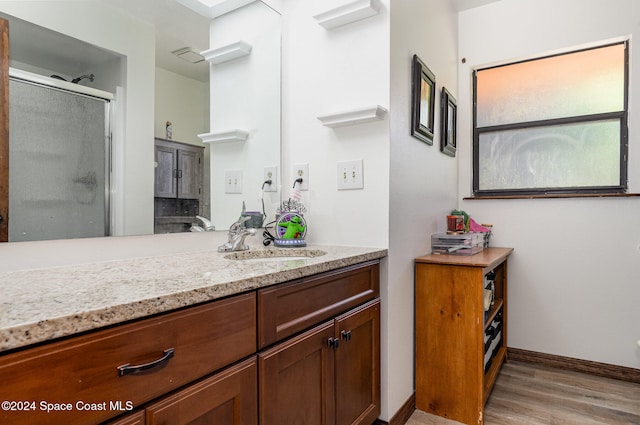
{"x": 423, "y": 181}
{"x": 245, "y": 95}
{"x": 574, "y": 276}
{"x": 184, "y": 102}
{"x": 102, "y": 26}
{"x": 325, "y": 72}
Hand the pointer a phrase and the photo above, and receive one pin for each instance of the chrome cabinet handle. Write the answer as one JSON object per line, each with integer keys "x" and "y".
{"x": 127, "y": 369}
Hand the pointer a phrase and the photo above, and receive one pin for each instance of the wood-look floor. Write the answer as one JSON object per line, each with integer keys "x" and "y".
{"x": 529, "y": 394}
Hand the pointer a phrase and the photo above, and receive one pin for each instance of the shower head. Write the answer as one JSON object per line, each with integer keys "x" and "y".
{"x": 77, "y": 80}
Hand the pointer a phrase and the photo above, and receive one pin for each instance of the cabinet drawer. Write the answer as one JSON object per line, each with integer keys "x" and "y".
{"x": 287, "y": 309}
{"x": 227, "y": 398}
{"x": 83, "y": 372}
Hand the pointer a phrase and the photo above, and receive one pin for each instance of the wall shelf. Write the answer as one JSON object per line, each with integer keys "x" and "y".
{"x": 227, "y": 53}
{"x": 354, "y": 117}
{"x": 348, "y": 13}
{"x": 230, "y": 136}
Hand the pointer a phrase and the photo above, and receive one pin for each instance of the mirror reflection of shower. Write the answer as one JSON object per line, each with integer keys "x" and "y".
{"x": 59, "y": 144}
{"x": 89, "y": 77}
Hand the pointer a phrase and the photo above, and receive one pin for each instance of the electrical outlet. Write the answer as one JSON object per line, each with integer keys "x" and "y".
{"x": 301, "y": 171}
{"x": 350, "y": 175}
{"x": 233, "y": 181}
{"x": 271, "y": 173}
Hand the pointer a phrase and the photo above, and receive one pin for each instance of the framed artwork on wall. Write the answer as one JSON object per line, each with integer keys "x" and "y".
{"x": 423, "y": 93}
{"x": 449, "y": 120}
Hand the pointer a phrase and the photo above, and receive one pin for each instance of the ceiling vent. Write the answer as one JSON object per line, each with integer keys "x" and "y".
{"x": 188, "y": 54}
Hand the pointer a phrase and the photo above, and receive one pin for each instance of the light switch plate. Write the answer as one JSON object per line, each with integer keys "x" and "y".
{"x": 350, "y": 175}
{"x": 233, "y": 181}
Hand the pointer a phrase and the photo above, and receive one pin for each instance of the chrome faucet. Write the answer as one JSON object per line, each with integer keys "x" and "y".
{"x": 207, "y": 225}
{"x": 236, "y": 235}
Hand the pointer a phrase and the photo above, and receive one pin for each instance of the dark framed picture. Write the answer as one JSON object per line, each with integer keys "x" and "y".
{"x": 423, "y": 94}
{"x": 449, "y": 119}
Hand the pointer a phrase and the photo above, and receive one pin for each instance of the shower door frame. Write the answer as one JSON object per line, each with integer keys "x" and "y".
{"x": 4, "y": 130}
{"x": 24, "y": 77}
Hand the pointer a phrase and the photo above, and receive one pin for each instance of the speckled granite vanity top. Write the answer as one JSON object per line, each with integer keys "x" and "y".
{"x": 43, "y": 304}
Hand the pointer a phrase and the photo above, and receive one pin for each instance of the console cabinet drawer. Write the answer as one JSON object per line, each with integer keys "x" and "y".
{"x": 84, "y": 372}
{"x": 287, "y": 309}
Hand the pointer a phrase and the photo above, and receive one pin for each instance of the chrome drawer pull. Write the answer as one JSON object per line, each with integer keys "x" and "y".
{"x": 126, "y": 369}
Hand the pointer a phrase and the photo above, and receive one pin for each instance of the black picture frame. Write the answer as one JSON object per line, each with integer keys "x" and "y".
{"x": 448, "y": 123}
{"x": 423, "y": 94}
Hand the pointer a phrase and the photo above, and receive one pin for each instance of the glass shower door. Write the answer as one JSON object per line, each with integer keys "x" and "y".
{"x": 59, "y": 164}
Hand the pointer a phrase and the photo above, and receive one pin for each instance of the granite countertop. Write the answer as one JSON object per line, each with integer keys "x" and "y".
{"x": 43, "y": 304}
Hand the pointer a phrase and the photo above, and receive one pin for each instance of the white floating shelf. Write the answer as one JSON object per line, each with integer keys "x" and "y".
{"x": 353, "y": 117}
{"x": 227, "y": 53}
{"x": 225, "y": 136}
{"x": 348, "y": 13}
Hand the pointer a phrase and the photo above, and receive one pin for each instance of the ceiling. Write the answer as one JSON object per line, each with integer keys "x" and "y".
{"x": 176, "y": 27}
{"x": 461, "y": 5}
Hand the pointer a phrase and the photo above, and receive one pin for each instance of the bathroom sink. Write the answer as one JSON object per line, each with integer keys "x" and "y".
{"x": 278, "y": 254}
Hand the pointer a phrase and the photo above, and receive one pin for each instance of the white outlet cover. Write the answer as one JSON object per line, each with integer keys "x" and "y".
{"x": 271, "y": 173}
{"x": 301, "y": 170}
{"x": 350, "y": 175}
{"x": 233, "y": 181}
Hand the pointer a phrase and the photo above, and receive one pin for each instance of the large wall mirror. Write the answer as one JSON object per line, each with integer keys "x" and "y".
{"x": 115, "y": 58}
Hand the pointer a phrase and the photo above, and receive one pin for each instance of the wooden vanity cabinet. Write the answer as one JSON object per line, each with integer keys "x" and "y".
{"x": 121, "y": 368}
{"x": 454, "y": 333}
{"x": 135, "y": 418}
{"x": 319, "y": 364}
{"x": 328, "y": 374}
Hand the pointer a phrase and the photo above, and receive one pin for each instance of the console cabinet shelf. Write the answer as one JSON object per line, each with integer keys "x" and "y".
{"x": 460, "y": 345}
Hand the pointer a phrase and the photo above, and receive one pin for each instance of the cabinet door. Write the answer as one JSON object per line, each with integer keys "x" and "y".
{"x": 226, "y": 398}
{"x": 166, "y": 172}
{"x": 189, "y": 173}
{"x": 297, "y": 380}
{"x": 358, "y": 365}
{"x": 136, "y": 418}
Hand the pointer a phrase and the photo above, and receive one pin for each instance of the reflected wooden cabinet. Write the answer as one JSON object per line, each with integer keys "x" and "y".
{"x": 179, "y": 170}
{"x": 461, "y": 342}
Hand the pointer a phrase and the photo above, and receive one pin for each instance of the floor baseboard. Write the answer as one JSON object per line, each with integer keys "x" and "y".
{"x": 576, "y": 365}
{"x": 403, "y": 414}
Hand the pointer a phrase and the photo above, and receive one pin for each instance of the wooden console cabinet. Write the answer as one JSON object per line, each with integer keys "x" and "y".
{"x": 453, "y": 329}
